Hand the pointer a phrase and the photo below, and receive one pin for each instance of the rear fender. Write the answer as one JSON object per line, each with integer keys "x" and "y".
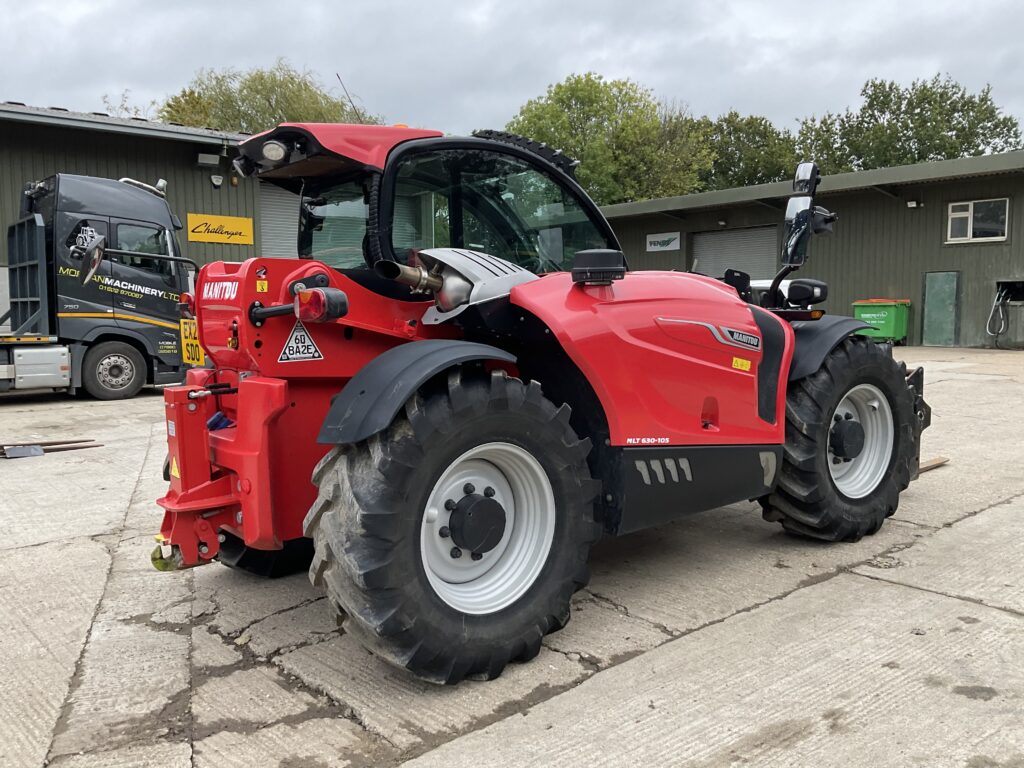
{"x": 815, "y": 339}
{"x": 372, "y": 398}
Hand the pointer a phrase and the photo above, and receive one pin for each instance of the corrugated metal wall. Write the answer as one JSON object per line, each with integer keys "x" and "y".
{"x": 880, "y": 249}
{"x": 32, "y": 152}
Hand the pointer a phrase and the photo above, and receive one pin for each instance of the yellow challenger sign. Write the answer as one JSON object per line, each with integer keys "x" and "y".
{"x": 207, "y": 228}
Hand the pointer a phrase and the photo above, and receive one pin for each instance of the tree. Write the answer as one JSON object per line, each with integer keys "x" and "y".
{"x": 257, "y": 99}
{"x": 628, "y": 145}
{"x": 125, "y": 109}
{"x": 936, "y": 119}
{"x": 748, "y": 150}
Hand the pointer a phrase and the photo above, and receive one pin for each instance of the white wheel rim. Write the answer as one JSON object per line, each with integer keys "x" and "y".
{"x": 115, "y": 371}
{"x": 501, "y": 576}
{"x": 857, "y": 477}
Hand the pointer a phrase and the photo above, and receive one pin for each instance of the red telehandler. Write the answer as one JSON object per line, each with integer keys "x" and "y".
{"x": 479, "y": 388}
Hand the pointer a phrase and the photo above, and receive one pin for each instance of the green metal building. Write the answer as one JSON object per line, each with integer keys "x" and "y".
{"x": 943, "y": 235}
{"x": 36, "y": 143}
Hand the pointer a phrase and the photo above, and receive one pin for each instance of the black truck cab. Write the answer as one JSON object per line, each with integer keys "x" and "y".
{"x": 118, "y": 331}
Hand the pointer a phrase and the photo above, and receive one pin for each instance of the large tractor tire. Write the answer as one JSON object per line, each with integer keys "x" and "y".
{"x": 113, "y": 370}
{"x": 454, "y": 540}
{"x": 849, "y": 449}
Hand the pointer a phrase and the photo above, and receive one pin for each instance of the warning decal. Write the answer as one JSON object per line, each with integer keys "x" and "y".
{"x": 300, "y": 346}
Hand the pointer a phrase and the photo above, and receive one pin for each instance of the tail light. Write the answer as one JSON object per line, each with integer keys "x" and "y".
{"x": 319, "y": 305}
{"x": 187, "y": 306}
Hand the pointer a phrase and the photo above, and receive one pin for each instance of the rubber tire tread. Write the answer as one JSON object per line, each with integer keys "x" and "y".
{"x": 806, "y": 501}
{"x": 365, "y": 524}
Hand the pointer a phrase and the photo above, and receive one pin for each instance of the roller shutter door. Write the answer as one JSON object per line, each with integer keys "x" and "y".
{"x": 279, "y": 222}
{"x": 753, "y": 250}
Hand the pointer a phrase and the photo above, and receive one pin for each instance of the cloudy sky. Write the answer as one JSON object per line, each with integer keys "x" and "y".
{"x": 456, "y": 66}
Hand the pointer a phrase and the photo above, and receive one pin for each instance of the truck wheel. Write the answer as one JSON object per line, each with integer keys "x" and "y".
{"x": 849, "y": 445}
{"x": 113, "y": 370}
{"x": 454, "y": 540}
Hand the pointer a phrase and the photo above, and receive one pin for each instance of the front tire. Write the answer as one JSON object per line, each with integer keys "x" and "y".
{"x": 849, "y": 447}
{"x": 488, "y": 467}
{"x": 113, "y": 370}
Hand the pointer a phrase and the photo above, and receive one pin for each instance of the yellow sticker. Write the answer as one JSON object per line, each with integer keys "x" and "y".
{"x": 740, "y": 364}
{"x": 208, "y": 228}
{"x": 262, "y": 286}
{"x": 174, "y": 468}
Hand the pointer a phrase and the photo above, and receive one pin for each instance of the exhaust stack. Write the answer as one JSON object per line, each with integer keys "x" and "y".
{"x": 419, "y": 279}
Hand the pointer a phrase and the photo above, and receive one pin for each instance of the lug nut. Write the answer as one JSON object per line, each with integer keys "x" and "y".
{"x": 445, "y": 532}
{"x": 456, "y": 553}
{"x": 848, "y": 416}
{"x": 450, "y": 504}
{"x": 837, "y": 418}
{"x": 468, "y": 488}
{"x": 489, "y": 492}
{"x": 476, "y": 556}
{"x": 836, "y": 460}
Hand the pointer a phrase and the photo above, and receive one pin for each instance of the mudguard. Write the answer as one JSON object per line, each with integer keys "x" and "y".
{"x": 372, "y": 398}
{"x": 815, "y": 339}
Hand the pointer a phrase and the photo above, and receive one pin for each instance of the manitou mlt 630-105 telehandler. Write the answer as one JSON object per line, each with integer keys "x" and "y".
{"x": 458, "y": 386}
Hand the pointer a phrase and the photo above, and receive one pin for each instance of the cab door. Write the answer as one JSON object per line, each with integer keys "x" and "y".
{"x": 146, "y": 290}
{"x": 80, "y": 308}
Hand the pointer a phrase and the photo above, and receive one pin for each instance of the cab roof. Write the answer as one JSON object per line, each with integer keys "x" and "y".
{"x": 367, "y": 145}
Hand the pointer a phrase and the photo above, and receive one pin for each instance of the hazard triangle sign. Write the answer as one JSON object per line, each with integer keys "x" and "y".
{"x": 300, "y": 346}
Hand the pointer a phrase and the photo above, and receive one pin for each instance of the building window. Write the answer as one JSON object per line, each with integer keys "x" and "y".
{"x": 978, "y": 220}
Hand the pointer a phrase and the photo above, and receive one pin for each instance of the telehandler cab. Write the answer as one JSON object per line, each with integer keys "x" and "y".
{"x": 479, "y": 388}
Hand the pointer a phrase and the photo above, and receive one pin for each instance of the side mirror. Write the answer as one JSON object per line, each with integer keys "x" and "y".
{"x": 797, "y": 231}
{"x": 806, "y": 179}
{"x": 92, "y": 257}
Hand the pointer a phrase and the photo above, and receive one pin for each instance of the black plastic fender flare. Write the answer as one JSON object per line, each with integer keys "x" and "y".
{"x": 814, "y": 339}
{"x": 372, "y": 398}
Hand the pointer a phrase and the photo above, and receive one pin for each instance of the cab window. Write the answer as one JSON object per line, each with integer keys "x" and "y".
{"x": 489, "y": 201}
{"x": 135, "y": 241}
{"x": 332, "y": 224}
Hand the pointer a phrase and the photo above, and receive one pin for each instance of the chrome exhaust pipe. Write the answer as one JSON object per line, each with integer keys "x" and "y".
{"x": 417, "y": 278}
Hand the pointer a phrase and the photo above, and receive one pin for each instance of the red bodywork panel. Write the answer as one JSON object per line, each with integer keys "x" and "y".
{"x": 648, "y": 347}
{"x": 365, "y": 144}
{"x": 261, "y": 466}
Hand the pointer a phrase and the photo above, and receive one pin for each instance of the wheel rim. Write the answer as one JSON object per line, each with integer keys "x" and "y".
{"x": 859, "y": 476}
{"x": 115, "y": 371}
{"x": 503, "y": 574}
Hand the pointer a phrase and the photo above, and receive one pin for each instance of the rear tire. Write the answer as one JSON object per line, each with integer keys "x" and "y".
{"x": 821, "y": 495}
{"x": 113, "y": 370}
{"x": 377, "y": 528}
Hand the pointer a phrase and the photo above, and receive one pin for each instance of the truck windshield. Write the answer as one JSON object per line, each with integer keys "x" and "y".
{"x": 332, "y": 224}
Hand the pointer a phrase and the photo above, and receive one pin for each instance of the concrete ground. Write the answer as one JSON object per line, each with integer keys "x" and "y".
{"x": 715, "y": 641}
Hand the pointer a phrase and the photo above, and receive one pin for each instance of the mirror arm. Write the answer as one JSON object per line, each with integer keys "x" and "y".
{"x": 773, "y": 294}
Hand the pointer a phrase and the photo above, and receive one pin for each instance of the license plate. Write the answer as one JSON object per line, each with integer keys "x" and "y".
{"x": 191, "y": 352}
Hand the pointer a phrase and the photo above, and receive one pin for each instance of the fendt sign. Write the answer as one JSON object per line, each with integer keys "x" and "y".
{"x": 663, "y": 241}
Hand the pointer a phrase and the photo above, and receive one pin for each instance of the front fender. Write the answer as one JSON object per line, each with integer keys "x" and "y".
{"x": 371, "y": 399}
{"x": 814, "y": 339}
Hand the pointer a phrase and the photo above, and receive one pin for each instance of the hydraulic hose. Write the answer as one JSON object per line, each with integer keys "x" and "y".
{"x": 999, "y": 318}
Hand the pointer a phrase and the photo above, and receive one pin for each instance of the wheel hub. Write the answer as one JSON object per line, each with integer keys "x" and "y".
{"x": 477, "y": 523}
{"x": 847, "y": 438}
{"x": 861, "y": 441}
